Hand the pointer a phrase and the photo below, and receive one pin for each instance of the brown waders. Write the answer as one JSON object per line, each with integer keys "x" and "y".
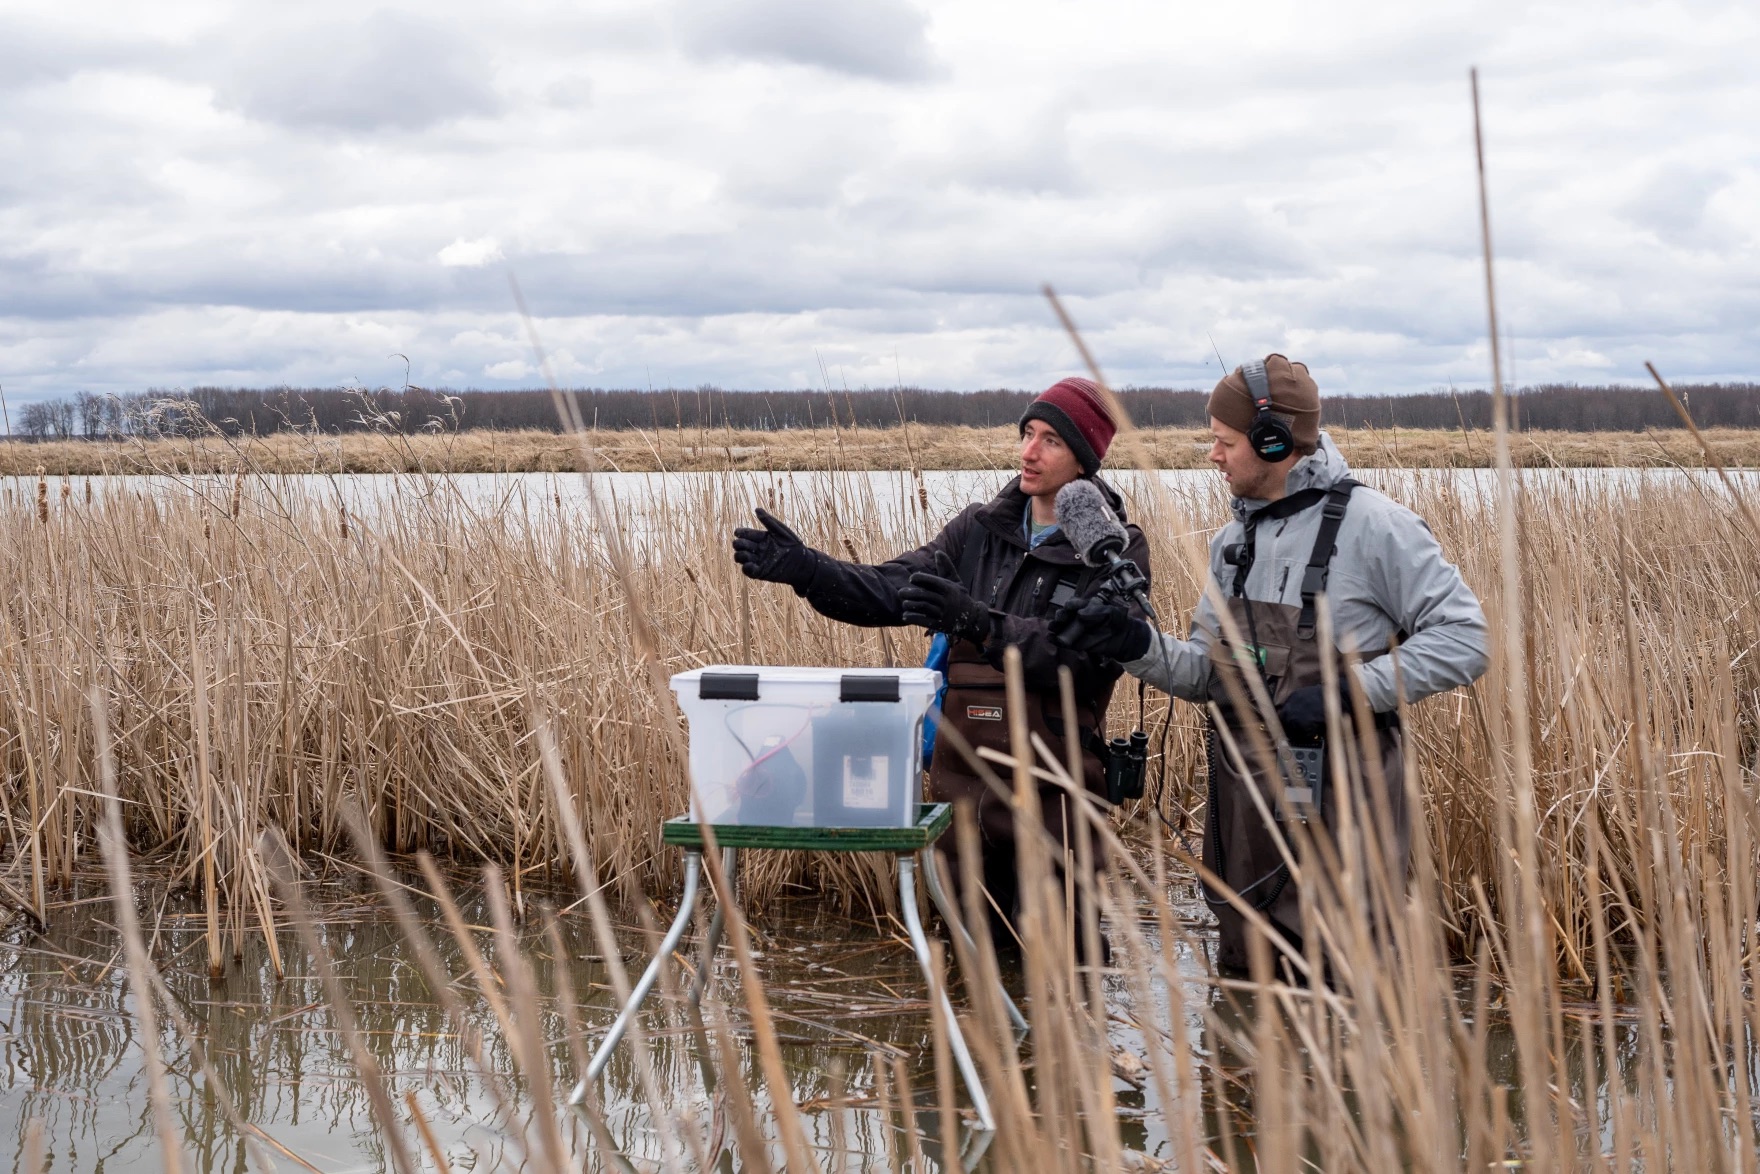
{"x": 1239, "y": 846}
{"x": 976, "y": 706}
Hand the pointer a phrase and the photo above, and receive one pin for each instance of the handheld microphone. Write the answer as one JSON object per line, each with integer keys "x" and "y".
{"x": 1100, "y": 539}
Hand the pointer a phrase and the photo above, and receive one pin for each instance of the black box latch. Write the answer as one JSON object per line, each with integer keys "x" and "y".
{"x": 728, "y": 687}
{"x": 868, "y": 687}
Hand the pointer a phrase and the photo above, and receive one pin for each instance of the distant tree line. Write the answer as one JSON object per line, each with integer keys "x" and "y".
{"x": 254, "y": 411}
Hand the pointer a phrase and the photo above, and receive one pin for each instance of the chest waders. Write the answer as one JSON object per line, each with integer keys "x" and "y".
{"x": 1238, "y": 845}
{"x": 975, "y": 705}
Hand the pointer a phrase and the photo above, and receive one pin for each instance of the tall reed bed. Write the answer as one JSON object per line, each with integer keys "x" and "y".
{"x": 1387, "y": 1058}
{"x": 1569, "y": 981}
{"x": 274, "y": 649}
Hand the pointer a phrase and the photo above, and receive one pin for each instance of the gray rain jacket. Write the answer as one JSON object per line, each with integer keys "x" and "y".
{"x": 1388, "y": 577}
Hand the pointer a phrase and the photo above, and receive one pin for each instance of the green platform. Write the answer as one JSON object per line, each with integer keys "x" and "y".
{"x": 910, "y": 845}
{"x": 934, "y": 819}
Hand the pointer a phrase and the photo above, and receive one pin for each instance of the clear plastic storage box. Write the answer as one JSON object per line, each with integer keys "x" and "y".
{"x": 807, "y": 747}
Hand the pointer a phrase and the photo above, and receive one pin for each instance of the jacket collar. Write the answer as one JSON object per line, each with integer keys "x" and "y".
{"x": 1321, "y": 469}
{"x": 1002, "y": 514}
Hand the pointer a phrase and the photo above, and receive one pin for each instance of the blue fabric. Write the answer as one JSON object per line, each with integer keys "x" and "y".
{"x": 939, "y": 649}
{"x": 1027, "y": 528}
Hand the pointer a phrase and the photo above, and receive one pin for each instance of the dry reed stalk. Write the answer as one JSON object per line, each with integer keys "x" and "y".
{"x": 1531, "y": 944}
{"x": 946, "y": 1099}
{"x": 1711, "y": 457}
{"x": 525, "y": 1031}
{"x": 426, "y": 1132}
{"x": 428, "y": 963}
{"x": 794, "y": 1140}
{"x": 603, "y": 1143}
{"x": 585, "y": 874}
{"x": 205, "y": 810}
{"x": 32, "y": 1158}
{"x": 115, "y": 852}
{"x": 378, "y": 689}
{"x": 366, "y": 1066}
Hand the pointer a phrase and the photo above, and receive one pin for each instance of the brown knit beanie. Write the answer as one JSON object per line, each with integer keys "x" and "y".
{"x": 1294, "y": 396}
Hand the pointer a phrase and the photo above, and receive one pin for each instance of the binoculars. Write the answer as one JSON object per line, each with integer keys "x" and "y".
{"x": 1126, "y": 762}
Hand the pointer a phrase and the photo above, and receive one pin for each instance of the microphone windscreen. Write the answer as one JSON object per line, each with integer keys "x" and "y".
{"x": 1088, "y": 522}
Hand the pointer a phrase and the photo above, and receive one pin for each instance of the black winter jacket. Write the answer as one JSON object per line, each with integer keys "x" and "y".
{"x": 988, "y": 545}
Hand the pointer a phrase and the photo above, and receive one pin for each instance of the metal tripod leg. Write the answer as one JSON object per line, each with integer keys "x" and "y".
{"x": 706, "y": 960}
{"x": 693, "y": 863}
{"x": 968, "y": 1071}
{"x": 932, "y": 874}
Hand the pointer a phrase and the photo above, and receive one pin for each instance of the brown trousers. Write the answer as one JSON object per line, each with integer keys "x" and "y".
{"x": 976, "y": 707}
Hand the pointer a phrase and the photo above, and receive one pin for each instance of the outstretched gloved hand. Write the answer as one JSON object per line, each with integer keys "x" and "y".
{"x": 774, "y": 554}
{"x": 1101, "y": 628}
{"x": 940, "y": 603}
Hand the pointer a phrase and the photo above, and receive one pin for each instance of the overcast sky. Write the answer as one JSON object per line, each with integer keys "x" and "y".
{"x": 773, "y": 193}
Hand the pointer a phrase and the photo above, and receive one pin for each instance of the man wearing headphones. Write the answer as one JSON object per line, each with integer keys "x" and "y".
{"x": 1302, "y": 528}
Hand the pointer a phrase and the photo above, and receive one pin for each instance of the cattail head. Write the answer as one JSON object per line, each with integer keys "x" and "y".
{"x": 237, "y": 492}
{"x": 342, "y": 520}
{"x": 42, "y": 497}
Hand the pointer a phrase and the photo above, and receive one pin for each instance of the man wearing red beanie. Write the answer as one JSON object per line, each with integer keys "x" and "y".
{"x": 992, "y": 578}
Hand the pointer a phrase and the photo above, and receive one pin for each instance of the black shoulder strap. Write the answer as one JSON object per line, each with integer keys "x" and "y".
{"x": 1283, "y": 507}
{"x": 1295, "y": 503}
{"x": 1338, "y": 498}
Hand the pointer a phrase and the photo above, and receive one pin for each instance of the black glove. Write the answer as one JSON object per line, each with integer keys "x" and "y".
{"x": 1102, "y": 629}
{"x": 939, "y": 603}
{"x": 774, "y": 554}
{"x": 1303, "y": 714}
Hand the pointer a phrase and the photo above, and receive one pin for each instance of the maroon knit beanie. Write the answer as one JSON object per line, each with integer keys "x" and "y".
{"x": 1074, "y": 408}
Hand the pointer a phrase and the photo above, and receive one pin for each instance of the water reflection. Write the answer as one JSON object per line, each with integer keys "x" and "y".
{"x": 70, "y": 1055}
{"x": 893, "y": 493}
{"x": 843, "y": 994}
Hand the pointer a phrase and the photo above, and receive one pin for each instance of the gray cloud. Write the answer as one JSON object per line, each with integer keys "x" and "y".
{"x": 387, "y": 71}
{"x": 35, "y": 52}
{"x": 199, "y": 196}
{"x": 882, "y": 39}
{"x": 1672, "y": 201}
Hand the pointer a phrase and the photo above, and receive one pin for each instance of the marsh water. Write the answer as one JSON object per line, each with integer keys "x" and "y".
{"x": 844, "y": 993}
{"x": 891, "y": 491}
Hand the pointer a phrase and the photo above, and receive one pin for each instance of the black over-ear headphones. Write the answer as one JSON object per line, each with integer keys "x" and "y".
{"x": 1270, "y": 435}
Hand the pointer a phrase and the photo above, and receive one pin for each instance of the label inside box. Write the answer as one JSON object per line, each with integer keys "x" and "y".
{"x": 865, "y": 781}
